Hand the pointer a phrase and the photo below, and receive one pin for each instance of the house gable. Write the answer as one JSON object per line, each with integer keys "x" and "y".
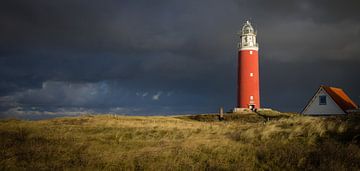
{"x": 322, "y": 104}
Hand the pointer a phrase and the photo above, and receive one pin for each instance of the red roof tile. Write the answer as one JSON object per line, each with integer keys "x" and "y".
{"x": 340, "y": 98}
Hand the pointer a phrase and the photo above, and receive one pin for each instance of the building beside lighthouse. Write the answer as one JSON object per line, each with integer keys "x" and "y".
{"x": 248, "y": 88}
{"x": 330, "y": 101}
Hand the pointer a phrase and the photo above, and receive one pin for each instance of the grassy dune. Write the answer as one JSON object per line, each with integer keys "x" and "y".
{"x": 200, "y": 142}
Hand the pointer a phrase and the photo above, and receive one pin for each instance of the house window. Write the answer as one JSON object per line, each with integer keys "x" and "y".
{"x": 322, "y": 100}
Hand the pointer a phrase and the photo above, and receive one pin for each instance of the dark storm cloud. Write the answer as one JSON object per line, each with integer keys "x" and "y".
{"x": 169, "y": 56}
{"x": 321, "y": 10}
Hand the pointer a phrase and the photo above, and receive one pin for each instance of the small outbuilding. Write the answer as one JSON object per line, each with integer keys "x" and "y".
{"x": 329, "y": 101}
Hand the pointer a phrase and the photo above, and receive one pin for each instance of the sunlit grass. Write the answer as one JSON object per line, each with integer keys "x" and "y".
{"x": 241, "y": 142}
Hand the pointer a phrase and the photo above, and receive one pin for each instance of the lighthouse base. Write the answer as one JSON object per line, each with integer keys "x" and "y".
{"x": 247, "y": 110}
{"x": 241, "y": 110}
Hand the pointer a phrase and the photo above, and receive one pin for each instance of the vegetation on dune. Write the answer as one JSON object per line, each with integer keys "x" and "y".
{"x": 200, "y": 142}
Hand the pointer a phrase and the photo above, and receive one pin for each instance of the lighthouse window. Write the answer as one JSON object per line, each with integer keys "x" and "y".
{"x": 251, "y": 97}
{"x": 322, "y": 100}
{"x": 251, "y": 74}
{"x": 251, "y": 52}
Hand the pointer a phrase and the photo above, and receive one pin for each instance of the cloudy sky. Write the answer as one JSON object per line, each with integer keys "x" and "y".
{"x": 169, "y": 57}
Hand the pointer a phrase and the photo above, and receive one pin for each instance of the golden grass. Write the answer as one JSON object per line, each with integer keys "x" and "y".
{"x": 241, "y": 142}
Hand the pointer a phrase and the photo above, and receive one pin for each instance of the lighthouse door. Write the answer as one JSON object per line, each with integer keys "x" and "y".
{"x": 252, "y": 107}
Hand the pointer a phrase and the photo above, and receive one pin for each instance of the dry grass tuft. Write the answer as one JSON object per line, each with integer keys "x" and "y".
{"x": 272, "y": 141}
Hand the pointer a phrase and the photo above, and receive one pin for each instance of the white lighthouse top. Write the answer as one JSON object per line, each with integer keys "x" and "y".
{"x": 247, "y": 28}
{"x": 248, "y": 38}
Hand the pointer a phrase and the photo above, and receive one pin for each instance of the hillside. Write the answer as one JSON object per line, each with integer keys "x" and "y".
{"x": 198, "y": 142}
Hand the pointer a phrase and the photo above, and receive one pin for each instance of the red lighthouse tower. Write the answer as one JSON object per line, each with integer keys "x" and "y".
{"x": 248, "y": 69}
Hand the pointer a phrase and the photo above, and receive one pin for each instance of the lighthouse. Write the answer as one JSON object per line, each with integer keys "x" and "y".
{"x": 248, "y": 91}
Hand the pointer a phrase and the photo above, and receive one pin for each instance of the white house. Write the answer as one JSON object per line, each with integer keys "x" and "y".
{"x": 329, "y": 101}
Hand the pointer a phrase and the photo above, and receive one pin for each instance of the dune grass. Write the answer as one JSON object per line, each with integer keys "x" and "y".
{"x": 194, "y": 142}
